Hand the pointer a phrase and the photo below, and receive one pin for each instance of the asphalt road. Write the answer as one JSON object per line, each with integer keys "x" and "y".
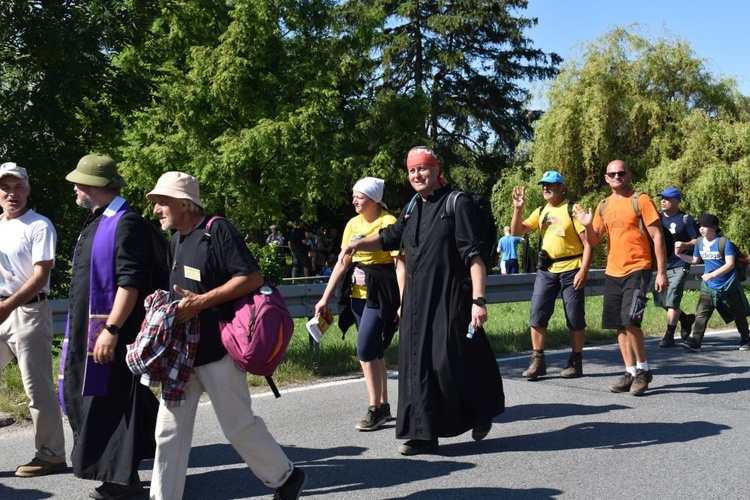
{"x": 688, "y": 437}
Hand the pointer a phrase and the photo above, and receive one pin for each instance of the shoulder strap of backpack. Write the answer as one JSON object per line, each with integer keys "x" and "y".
{"x": 410, "y": 206}
{"x": 722, "y": 246}
{"x": 637, "y": 210}
{"x": 450, "y": 202}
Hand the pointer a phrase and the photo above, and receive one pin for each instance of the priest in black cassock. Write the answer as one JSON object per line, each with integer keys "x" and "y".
{"x": 112, "y": 415}
{"x": 449, "y": 382}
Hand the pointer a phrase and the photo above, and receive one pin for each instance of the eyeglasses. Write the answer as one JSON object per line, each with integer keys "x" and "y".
{"x": 612, "y": 175}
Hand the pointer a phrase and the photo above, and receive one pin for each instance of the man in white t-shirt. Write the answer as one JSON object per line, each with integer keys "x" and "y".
{"x": 27, "y": 254}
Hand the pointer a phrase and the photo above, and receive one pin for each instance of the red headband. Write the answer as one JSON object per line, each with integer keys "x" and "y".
{"x": 421, "y": 156}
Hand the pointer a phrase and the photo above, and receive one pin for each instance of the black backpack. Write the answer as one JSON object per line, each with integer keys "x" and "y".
{"x": 487, "y": 228}
{"x": 160, "y": 245}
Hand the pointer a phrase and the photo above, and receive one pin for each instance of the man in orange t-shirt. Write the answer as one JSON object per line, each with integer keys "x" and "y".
{"x": 628, "y": 272}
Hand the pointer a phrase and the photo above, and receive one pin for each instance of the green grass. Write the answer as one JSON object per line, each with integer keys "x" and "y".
{"x": 507, "y": 328}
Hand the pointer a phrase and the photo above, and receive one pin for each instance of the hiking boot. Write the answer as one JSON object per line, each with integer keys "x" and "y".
{"x": 640, "y": 382}
{"x": 668, "y": 340}
{"x": 292, "y": 487}
{"x": 418, "y": 446}
{"x": 372, "y": 421}
{"x": 692, "y": 345}
{"x": 537, "y": 368}
{"x": 622, "y": 385}
{"x": 112, "y": 491}
{"x": 6, "y": 419}
{"x": 686, "y": 326}
{"x": 38, "y": 467}
{"x": 574, "y": 368}
{"x": 385, "y": 409}
{"x": 745, "y": 344}
{"x": 481, "y": 430}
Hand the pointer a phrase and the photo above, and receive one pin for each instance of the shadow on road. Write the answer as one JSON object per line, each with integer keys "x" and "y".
{"x": 21, "y": 493}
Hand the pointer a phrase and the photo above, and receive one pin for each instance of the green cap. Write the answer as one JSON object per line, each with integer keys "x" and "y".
{"x": 96, "y": 170}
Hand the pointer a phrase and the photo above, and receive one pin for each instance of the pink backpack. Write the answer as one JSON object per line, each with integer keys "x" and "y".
{"x": 259, "y": 334}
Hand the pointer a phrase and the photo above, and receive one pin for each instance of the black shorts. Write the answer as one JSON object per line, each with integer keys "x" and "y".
{"x": 546, "y": 288}
{"x": 625, "y": 299}
{"x": 301, "y": 259}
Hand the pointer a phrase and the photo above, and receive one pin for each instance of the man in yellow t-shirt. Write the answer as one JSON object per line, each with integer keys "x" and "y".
{"x": 564, "y": 259}
{"x": 628, "y": 272}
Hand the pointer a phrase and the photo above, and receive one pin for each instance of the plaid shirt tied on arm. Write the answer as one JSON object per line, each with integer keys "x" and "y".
{"x": 164, "y": 352}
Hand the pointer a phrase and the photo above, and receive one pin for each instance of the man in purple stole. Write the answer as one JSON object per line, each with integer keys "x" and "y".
{"x": 112, "y": 415}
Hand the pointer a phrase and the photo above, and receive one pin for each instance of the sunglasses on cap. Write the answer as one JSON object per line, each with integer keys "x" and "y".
{"x": 612, "y": 175}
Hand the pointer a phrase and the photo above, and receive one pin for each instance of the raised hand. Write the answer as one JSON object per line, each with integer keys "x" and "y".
{"x": 519, "y": 196}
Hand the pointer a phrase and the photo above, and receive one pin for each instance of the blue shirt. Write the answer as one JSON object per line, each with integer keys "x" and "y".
{"x": 507, "y": 246}
{"x": 712, "y": 258}
{"x": 679, "y": 227}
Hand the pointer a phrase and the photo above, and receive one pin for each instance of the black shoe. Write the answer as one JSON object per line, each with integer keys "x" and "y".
{"x": 385, "y": 409}
{"x": 686, "y": 326}
{"x": 692, "y": 345}
{"x": 112, "y": 491}
{"x": 667, "y": 341}
{"x": 481, "y": 430}
{"x": 374, "y": 419}
{"x": 418, "y": 446}
{"x": 292, "y": 487}
{"x": 745, "y": 344}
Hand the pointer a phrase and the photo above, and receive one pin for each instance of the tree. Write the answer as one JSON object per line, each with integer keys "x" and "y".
{"x": 54, "y": 99}
{"x": 252, "y": 107}
{"x": 280, "y": 105}
{"x": 654, "y": 105}
{"x": 465, "y": 60}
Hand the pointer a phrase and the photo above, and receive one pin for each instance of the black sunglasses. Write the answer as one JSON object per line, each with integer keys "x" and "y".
{"x": 612, "y": 175}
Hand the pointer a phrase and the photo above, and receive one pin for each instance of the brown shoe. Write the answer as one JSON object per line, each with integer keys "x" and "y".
{"x": 574, "y": 368}
{"x": 537, "y": 367}
{"x": 38, "y": 467}
{"x": 622, "y": 385}
{"x": 640, "y": 383}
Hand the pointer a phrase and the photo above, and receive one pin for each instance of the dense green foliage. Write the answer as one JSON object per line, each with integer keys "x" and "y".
{"x": 654, "y": 105}
{"x": 277, "y": 106}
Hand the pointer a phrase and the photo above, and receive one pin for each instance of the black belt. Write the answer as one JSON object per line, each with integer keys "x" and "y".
{"x": 36, "y": 298}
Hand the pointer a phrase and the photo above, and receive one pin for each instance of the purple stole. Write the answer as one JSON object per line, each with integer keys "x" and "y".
{"x": 102, "y": 289}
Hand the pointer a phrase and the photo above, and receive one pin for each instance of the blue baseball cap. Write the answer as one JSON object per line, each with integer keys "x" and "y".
{"x": 671, "y": 192}
{"x": 551, "y": 177}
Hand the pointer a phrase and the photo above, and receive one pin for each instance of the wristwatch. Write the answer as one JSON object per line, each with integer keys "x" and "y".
{"x": 480, "y": 301}
{"x": 113, "y": 329}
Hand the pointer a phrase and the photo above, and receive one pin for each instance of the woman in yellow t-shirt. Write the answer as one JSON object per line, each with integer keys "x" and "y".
{"x": 370, "y": 297}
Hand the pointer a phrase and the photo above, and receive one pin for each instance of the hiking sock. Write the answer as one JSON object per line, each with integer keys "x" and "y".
{"x": 630, "y": 370}
{"x": 539, "y": 351}
{"x": 671, "y": 329}
{"x": 642, "y": 366}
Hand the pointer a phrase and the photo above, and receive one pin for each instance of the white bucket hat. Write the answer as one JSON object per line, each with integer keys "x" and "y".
{"x": 177, "y": 185}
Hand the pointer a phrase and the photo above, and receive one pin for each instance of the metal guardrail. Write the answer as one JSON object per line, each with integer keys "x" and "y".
{"x": 301, "y": 299}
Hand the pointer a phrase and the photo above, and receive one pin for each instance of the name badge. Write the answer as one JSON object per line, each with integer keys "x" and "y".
{"x": 192, "y": 273}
